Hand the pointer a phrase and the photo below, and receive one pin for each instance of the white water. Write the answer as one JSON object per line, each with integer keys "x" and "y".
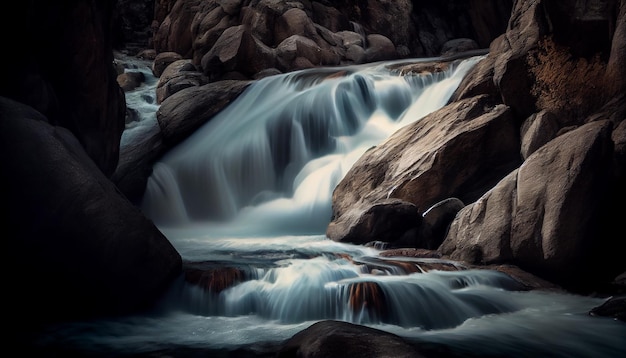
{"x": 252, "y": 189}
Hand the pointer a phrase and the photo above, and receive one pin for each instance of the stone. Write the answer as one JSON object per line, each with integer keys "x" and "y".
{"x": 95, "y": 253}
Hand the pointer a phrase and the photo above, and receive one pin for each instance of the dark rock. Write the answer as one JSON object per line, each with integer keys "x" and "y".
{"x": 613, "y": 307}
{"x": 385, "y": 220}
{"x": 93, "y": 253}
{"x": 438, "y": 218}
{"x": 455, "y": 46}
{"x": 62, "y": 66}
{"x": 341, "y": 339}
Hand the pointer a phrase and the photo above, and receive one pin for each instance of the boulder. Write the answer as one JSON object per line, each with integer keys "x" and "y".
{"x": 237, "y": 50}
{"x": 379, "y": 48}
{"x": 130, "y": 80}
{"x": 137, "y": 157}
{"x": 385, "y": 220}
{"x": 178, "y": 75}
{"x": 341, "y": 339}
{"x": 89, "y": 251}
{"x": 537, "y": 130}
{"x": 162, "y": 60}
{"x": 294, "y": 22}
{"x": 541, "y": 217}
{"x": 410, "y": 165}
{"x": 183, "y": 112}
{"x": 455, "y": 46}
{"x": 68, "y": 76}
{"x": 173, "y": 33}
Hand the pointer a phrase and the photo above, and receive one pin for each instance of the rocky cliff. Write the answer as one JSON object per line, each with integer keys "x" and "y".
{"x": 75, "y": 246}
{"x": 532, "y": 143}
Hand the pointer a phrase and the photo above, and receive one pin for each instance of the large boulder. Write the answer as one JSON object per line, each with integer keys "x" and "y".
{"x": 76, "y": 247}
{"x": 542, "y": 216}
{"x": 185, "y": 111}
{"x": 341, "y": 339}
{"x": 459, "y": 151}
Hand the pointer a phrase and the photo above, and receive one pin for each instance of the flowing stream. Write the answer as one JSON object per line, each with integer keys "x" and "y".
{"x": 248, "y": 196}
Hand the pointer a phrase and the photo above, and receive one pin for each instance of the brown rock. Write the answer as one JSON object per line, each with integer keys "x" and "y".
{"x": 408, "y": 166}
{"x": 183, "y": 112}
{"x": 173, "y": 33}
{"x": 367, "y": 297}
{"x": 130, "y": 80}
{"x": 214, "y": 280}
{"x": 294, "y": 22}
{"x": 385, "y": 220}
{"x": 162, "y": 60}
{"x": 379, "y": 48}
{"x": 136, "y": 160}
{"x": 537, "y": 130}
{"x": 237, "y": 50}
{"x": 541, "y": 216}
{"x": 455, "y": 46}
{"x": 178, "y": 75}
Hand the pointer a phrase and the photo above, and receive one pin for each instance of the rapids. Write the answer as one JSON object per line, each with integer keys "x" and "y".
{"x": 251, "y": 191}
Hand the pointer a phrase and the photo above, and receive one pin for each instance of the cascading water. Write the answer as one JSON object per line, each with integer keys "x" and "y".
{"x": 271, "y": 160}
{"x": 248, "y": 195}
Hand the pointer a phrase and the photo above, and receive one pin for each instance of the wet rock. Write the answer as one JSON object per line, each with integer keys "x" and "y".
{"x": 341, "y": 339}
{"x": 407, "y": 166}
{"x": 369, "y": 298}
{"x": 613, "y": 307}
{"x": 130, "y": 80}
{"x": 214, "y": 280}
{"x": 386, "y": 220}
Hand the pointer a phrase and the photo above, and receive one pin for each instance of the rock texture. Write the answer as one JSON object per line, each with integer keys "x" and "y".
{"x": 341, "y": 339}
{"x": 247, "y": 37}
{"x": 61, "y": 65}
{"x": 78, "y": 248}
{"x": 531, "y": 142}
{"x": 428, "y": 161}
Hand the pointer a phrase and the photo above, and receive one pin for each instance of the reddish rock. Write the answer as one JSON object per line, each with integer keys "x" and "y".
{"x": 215, "y": 280}
{"x": 162, "y": 60}
{"x": 367, "y": 297}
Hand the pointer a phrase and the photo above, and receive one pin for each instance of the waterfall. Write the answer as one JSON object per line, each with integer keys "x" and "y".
{"x": 268, "y": 163}
{"x": 246, "y": 199}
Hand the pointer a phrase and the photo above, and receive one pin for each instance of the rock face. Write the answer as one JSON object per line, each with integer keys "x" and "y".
{"x": 77, "y": 248}
{"x": 532, "y": 142}
{"x": 72, "y": 237}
